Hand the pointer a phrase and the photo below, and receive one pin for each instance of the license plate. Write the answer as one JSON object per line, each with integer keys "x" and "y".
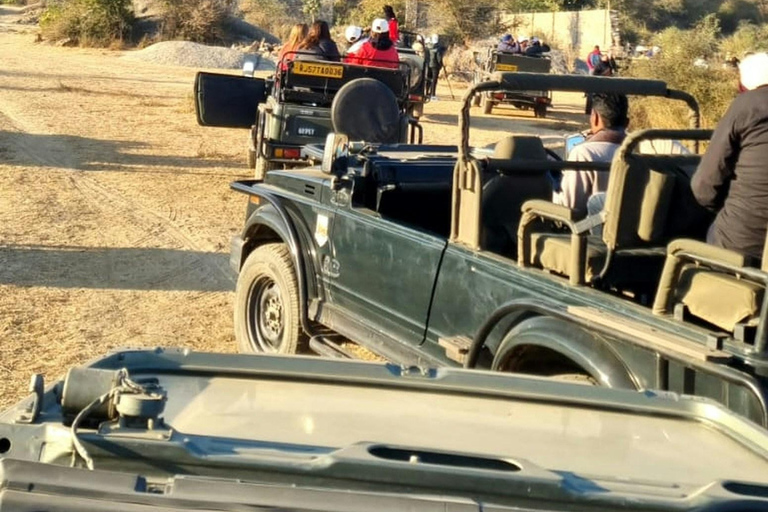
{"x": 506, "y": 67}
{"x": 315, "y": 69}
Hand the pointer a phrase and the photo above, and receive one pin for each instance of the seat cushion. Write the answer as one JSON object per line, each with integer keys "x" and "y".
{"x": 720, "y": 299}
{"x": 553, "y": 252}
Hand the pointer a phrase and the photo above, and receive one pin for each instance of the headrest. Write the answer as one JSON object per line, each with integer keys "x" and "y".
{"x": 524, "y": 147}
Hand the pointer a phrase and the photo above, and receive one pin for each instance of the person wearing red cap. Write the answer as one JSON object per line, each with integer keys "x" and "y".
{"x": 732, "y": 177}
{"x": 378, "y": 51}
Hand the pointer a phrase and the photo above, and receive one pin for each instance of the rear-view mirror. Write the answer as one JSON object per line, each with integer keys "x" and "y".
{"x": 335, "y": 154}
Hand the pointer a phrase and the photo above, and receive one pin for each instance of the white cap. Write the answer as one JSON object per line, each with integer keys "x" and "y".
{"x": 535, "y": 40}
{"x": 379, "y": 26}
{"x": 754, "y": 71}
{"x": 434, "y": 38}
{"x": 522, "y": 38}
{"x": 353, "y": 33}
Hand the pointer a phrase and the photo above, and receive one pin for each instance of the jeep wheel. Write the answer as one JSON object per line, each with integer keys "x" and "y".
{"x": 540, "y": 111}
{"x": 487, "y": 105}
{"x": 267, "y": 317}
{"x": 531, "y": 348}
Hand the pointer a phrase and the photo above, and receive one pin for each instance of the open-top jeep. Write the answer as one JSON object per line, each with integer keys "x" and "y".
{"x": 450, "y": 256}
{"x": 293, "y": 109}
{"x": 496, "y": 62}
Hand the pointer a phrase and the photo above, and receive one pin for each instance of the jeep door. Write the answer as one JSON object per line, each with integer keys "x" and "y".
{"x": 385, "y": 272}
{"x": 228, "y": 101}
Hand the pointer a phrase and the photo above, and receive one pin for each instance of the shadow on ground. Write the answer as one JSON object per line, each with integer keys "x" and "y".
{"x": 86, "y": 154}
{"x": 114, "y": 268}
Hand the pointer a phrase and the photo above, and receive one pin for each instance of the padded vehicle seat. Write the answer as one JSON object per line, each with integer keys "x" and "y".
{"x": 504, "y": 195}
{"x": 648, "y": 202}
{"x": 721, "y": 298}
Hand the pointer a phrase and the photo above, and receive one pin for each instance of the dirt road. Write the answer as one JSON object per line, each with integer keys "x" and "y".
{"x": 115, "y": 208}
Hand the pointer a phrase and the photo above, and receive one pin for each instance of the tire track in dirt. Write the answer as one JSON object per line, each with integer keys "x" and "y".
{"x": 55, "y": 155}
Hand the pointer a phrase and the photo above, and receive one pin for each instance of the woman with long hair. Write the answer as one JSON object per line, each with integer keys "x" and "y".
{"x": 394, "y": 27}
{"x": 318, "y": 44}
{"x": 287, "y": 52}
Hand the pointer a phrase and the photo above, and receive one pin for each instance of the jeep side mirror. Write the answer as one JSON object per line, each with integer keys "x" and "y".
{"x": 335, "y": 154}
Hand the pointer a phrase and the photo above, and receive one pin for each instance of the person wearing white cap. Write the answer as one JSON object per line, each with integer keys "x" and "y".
{"x": 354, "y": 37}
{"x": 378, "y": 51}
{"x": 732, "y": 178}
{"x": 523, "y": 41}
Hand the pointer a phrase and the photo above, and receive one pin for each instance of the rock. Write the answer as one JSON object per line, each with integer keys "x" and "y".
{"x": 194, "y": 55}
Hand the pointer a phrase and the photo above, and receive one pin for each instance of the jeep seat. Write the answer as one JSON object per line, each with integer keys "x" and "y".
{"x": 712, "y": 284}
{"x": 504, "y": 195}
{"x": 648, "y": 203}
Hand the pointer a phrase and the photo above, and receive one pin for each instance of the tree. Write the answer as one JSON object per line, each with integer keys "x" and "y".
{"x": 311, "y": 8}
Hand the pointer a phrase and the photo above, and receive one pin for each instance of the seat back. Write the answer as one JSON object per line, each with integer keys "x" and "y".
{"x": 649, "y": 200}
{"x": 504, "y": 195}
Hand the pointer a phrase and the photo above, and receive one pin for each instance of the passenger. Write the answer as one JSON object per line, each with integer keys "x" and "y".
{"x": 732, "y": 177}
{"x": 394, "y": 26}
{"x": 353, "y": 36}
{"x": 436, "y": 52}
{"x": 318, "y": 44}
{"x": 379, "y": 51}
{"x": 287, "y": 52}
{"x": 508, "y": 44}
{"x": 593, "y": 59}
{"x": 608, "y": 123}
{"x": 536, "y": 48}
{"x": 523, "y": 42}
{"x": 605, "y": 66}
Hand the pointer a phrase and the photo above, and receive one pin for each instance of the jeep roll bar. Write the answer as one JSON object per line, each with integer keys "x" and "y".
{"x": 467, "y": 182}
{"x": 514, "y": 82}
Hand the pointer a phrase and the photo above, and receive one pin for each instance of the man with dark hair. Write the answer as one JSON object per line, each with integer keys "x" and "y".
{"x": 608, "y": 122}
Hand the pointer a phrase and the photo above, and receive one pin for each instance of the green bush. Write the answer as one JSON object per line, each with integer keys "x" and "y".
{"x": 713, "y": 87}
{"x": 274, "y": 16}
{"x": 747, "y": 38}
{"x": 87, "y": 22}
{"x": 196, "y": 20}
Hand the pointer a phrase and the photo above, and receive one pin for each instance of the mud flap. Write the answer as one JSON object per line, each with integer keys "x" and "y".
{"x": 228, "y": 101}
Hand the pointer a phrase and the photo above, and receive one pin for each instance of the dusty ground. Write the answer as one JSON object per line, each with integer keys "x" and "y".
{"x": 115, "y": 208}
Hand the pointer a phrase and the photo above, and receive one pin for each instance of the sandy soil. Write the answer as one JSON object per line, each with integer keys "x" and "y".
{"x": 115, "y": 207}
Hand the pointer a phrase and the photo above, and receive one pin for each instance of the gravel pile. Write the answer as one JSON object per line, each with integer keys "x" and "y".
{"x": 194, "y": 55}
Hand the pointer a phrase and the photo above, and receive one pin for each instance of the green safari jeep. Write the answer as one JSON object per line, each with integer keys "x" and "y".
{"x": 440, "y": 255}
{"x": 295, "y": 108}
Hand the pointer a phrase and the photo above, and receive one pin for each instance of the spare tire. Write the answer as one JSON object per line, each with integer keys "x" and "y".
{"x": 366, "y": 110}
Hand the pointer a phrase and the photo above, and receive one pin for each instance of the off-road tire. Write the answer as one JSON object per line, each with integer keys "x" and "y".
{"x": 540, "y": 111}
{"x": 267, "y": 315}
{"x": 487, "y": 105}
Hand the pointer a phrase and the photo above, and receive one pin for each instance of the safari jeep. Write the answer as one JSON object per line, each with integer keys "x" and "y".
{"x": 294, "y": 109}
{"x": 174, "y": 430}
{"x": 450, "y": 256}
{"x": 495, "y": 61}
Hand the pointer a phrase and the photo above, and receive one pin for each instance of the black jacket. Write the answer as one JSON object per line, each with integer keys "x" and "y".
{"x": 733, "y": 175}
{"x": 325, "y": 50}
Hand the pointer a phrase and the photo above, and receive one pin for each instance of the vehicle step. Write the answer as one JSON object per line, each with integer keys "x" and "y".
{"x": 656, "y": 339}
{"x": 325, "y": 347}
